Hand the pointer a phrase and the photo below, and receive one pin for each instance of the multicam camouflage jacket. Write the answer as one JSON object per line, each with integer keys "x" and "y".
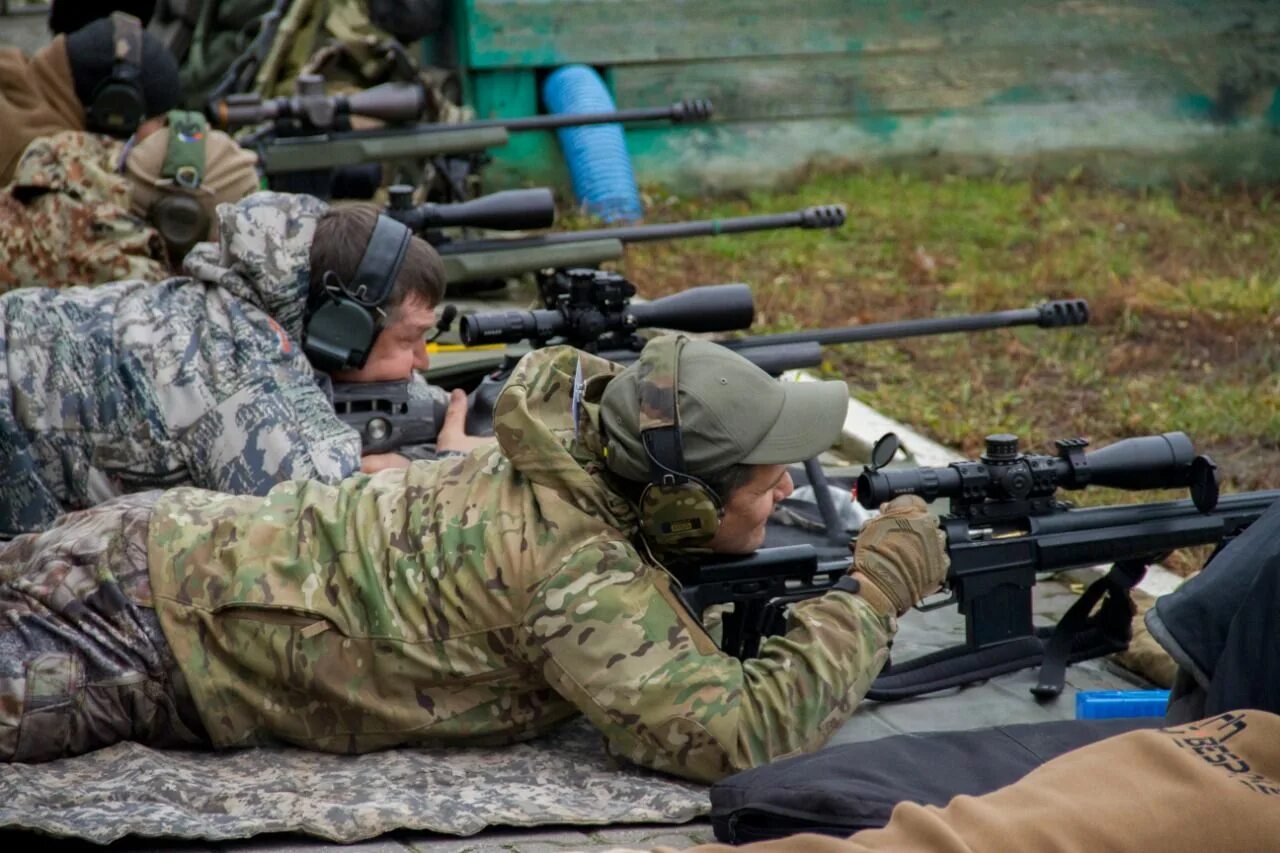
{"x": 195, "y": 380}
{"x": 480, "y": 600}
{"x": 67, "y": 221}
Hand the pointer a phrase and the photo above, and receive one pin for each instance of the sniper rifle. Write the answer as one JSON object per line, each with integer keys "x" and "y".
{"x": 594, "y": 310}
{"x": 309, "y": 134}
{"x": 473, "y": 261}
{"x": 1005, "y": 526}
{"x": 592, "y": 305}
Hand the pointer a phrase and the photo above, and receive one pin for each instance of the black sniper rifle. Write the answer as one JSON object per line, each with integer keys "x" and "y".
{"x": 596, "y": 304}
{"x": 1005, "y": 526}
{"x": 490, "y": 259}
{"x": 308, "y": 135}
{"x": 594, "y": 311}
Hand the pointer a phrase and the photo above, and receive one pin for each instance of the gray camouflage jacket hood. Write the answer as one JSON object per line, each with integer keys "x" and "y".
{"x": 263, "y": 254}
{"x": 195, "y": 380}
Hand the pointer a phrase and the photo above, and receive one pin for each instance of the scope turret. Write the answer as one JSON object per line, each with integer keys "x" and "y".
{"x": 1005, "y": 483}
{"x": 509, "y": 210}
{"x": 310, "y": 107}
{"x": 591, "y": 309}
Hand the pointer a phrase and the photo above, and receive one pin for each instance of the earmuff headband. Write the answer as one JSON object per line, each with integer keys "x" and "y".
{"x": 118, "y": 103}
{"x": 184, "y": 157}
{"x": 126, "y": 38}
{"x": 380, "y": 264}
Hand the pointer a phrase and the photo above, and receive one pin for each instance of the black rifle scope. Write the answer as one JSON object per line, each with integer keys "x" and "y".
{"x": 394, "y": 103}
{"x": 595, "y": 303}
{"x": 509, "y": 210}
{"x": 1004, "y": 475}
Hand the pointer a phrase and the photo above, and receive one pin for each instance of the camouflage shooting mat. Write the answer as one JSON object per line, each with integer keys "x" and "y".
{"x": 128, "y": 789}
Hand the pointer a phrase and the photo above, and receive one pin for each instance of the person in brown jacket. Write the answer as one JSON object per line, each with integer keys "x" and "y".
{"x": 85, "y": 208}
{"x": 81, "y": 82}
{"x": 1210, "y": 785}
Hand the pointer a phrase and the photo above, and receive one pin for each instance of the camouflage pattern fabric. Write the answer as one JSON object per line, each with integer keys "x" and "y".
{"x": 565, "y": 778}
{"x": 129, "y": 386}
{"x": 657, "y": 369}
{"x": 83, "y": 662}
{"x": 483, "y": 600}
{"x": 67, "y": 218}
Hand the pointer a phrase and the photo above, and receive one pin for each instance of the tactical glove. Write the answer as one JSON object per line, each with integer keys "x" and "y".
{"x": 900, "y": 555}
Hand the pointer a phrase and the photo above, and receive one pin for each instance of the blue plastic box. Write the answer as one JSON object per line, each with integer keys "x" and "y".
{"x": 1108, "y": 704}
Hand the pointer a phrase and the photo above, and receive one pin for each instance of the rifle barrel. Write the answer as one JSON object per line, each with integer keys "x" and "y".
{"x": 694, "y": 109}
{"x": 820, "y": 216}
{"x": 1066, "y": 312}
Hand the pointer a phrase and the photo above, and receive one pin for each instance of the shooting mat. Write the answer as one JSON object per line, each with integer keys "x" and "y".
{"x": 127, "y": 789}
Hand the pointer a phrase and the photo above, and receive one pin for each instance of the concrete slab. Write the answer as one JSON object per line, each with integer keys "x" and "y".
{"x": 558, "y": 841}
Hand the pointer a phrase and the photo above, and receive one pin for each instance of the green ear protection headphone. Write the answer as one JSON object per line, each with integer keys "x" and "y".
{"x": 342, "y": 320}
{"x": 677, "y": 510}
{"x": 118, "y": 104}
{"x": 183, "y": 216}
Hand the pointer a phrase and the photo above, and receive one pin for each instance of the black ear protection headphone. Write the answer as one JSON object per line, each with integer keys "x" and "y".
{"x": 181, "y": 214}
{"x": 676, "y": 509}
{"x": 342, "y": 322}
{"x": 118, "y": 104}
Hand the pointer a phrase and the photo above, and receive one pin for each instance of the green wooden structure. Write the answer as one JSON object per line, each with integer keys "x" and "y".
{"x": 1136, "y": 91}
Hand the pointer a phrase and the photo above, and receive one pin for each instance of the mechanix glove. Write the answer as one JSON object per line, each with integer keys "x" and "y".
{"x": 901, "y": 555}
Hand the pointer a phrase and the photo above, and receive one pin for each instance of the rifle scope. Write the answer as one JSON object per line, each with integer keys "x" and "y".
{"x": 711, "y": 308}
{"x": 394, "y": 103}
{"x": 509, "y": 210}
{"x": 1004, "y": 475}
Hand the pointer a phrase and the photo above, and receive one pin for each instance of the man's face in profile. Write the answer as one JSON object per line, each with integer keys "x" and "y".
{"x": 747, "y": 511}
{"x": 399, "y": 349}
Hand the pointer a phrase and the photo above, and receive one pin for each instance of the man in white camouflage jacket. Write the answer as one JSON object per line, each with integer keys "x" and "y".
{"x": 202, "y": 379}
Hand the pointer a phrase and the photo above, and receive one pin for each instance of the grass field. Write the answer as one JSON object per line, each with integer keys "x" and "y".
{"x": 1183, "y": 286}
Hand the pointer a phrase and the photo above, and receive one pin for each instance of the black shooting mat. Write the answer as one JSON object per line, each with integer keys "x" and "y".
{"x": 564, "y": 779}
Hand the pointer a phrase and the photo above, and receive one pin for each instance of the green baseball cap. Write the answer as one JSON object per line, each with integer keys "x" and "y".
{"x": 730, "y": 411}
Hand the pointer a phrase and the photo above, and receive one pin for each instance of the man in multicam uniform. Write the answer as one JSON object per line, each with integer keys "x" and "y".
{"x": 197, "y": 380}
{"x": 77, "y": 209}
{"x": 477, "y": 600}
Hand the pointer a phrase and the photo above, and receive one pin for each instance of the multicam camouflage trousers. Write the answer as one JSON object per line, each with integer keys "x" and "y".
{"x": 83, "y": 662}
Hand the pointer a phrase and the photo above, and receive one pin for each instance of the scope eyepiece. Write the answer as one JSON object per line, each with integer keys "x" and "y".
{"x": 509, "y": 327}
